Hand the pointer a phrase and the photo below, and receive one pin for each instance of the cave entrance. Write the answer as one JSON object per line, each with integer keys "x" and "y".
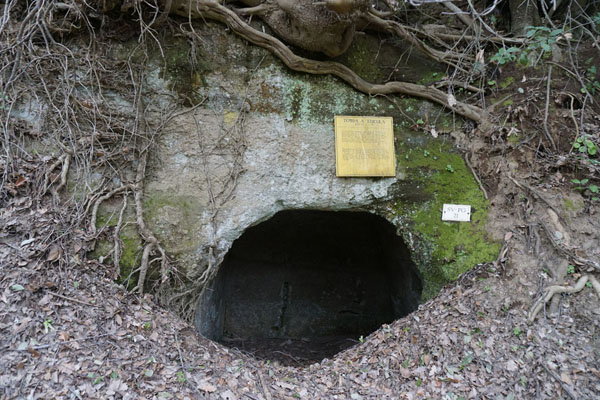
{"x": 306, "y": 284}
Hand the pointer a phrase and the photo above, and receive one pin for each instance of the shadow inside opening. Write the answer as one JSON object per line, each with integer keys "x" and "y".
{"x": 306, "y": 284}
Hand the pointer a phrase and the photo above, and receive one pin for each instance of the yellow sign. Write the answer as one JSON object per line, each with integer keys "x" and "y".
{"x": 364, "y": 146}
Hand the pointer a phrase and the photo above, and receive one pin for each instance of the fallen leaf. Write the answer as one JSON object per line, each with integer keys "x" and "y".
{"x": 511, "y": 366}
{"x": 53, "y": 253}
{"x": 228, "y": 395}
{"x": 207, "y": 387}
{"x": 28, "y": 241}
{"x": 565, "y": 378}
{"x": 20, "y": 181}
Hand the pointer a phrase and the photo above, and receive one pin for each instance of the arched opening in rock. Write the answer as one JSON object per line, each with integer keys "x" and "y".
{"x": 306, "y": 284}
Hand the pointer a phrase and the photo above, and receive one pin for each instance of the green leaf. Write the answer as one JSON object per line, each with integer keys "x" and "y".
{"x": 577, "y": 145}
{"x": 593, "y": 188}
{"x": 546, "y": 47}
{"x": 17, "y": 288}
{"x": 584, "y": 181}
{"x": 577, "y": 181}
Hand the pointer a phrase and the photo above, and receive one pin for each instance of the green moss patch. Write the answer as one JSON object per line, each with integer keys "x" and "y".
{"x": 452, "y": 247}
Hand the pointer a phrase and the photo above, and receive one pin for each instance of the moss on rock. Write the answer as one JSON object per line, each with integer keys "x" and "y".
{"x": 451, "y": 248}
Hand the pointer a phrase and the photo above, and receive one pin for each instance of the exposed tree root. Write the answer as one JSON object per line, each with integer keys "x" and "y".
{"x": 447, "y": 57}
{"x": 215, "y": 11}
{"x": 550, "y": 291}
{"x": 145, "y": 233}
{"x": 65, "y": 162}
{"x": 98, "y": 202}
{"x": 566, "y": 252}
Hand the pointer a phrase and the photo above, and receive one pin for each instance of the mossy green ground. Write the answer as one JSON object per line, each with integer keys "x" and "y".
{"x": 450, "y": 248}
{"x": 131, "y": 243}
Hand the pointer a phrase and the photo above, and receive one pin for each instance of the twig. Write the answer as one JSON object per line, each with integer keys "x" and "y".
{"x": 574, "y": 122}
{"x": 264, "y": 386}
{"x": 476, "y": 177}
{"x": 45, "y": 346}
{"x": 566, "y": 252}
{"x": 536, "y": 194}
{"x": 72, "y": 299}
{"x": 138, "y": 194}
{"x": 548, "y": 135}
{"x": 460, "y": 14}
{"x": 179, "y": 350}
{"x": 287, "y": 355}
{"x": 567, "y": 390}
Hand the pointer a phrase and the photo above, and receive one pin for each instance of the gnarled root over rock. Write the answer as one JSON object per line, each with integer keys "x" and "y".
{"x": 553, "y": 290}
{"x": 210, "y": 9}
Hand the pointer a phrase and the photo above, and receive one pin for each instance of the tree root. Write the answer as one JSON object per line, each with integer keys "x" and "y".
{"x": 211, "y": 9}
{"x": 550, "y": 291}
{"x": 65, "y": 161}
{"x": 447, "y": 57}
{"x": 145, "y": 233}
{"x": 98, "y": 202}
{"x": 567, "y": 253}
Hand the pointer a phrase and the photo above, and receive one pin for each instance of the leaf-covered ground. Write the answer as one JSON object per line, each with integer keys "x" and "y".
{"x": 68, "y": 332}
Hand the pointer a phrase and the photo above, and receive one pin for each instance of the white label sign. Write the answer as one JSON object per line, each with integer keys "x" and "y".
{"x": 456, "y": 212}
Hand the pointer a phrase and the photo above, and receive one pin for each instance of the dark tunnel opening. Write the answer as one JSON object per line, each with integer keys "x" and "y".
{"x": 306, "y": 284}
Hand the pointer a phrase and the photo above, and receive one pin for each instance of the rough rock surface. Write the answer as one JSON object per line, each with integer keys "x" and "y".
{"x": 260, "y": 139}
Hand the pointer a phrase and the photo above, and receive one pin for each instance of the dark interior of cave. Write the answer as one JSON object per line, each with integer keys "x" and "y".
{"x": 306, "y": 284}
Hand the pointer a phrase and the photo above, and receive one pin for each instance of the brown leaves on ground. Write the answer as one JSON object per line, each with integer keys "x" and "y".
{"x": 459, "y": 345}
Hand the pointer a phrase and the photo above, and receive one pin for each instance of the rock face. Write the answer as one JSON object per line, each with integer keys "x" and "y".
{"x": 243, "y": 140}
{"x": 250, "y": 139}
{"x": 257, "y": 139}
{"x": 280, "y": 166}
